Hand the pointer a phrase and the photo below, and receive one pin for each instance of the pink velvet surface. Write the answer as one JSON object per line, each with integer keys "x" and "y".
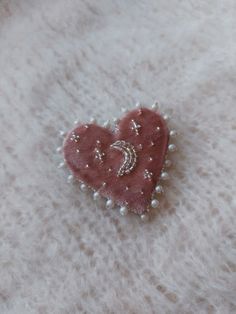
{"x": 132, "y": 190}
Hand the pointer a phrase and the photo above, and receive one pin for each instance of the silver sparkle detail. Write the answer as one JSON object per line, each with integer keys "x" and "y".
{"x": 130, "y": 157}
{"x": 135, "y": 127}
{"x": 148, "y": 174}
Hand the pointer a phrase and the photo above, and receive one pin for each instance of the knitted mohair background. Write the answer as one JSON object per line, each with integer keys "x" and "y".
{"x": 62, "y": 60}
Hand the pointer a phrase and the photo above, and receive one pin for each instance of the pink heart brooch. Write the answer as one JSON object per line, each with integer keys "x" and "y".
{"x": 125, "y": 163}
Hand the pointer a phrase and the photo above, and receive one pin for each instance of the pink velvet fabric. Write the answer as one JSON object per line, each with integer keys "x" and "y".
{"x": 132, "y": 190}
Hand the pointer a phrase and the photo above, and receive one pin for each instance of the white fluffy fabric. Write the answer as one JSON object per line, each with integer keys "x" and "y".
{"x": 63, "y": 60}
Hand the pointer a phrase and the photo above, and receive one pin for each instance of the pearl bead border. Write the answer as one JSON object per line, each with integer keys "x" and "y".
{"x": 164, "y": 176}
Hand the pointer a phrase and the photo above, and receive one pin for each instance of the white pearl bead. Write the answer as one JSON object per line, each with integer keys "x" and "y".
{"x": 165, "y": 176}
{"x": 144, "y": 217}
{"x": 115, "y": 120}
{"x": 62, "y": 133}
{"x": 168, "y": 163}
{"x": 155, "y": 106}
{"x": 172, "y": 148}
{"x": 159, "y": 189}
{"x": 70, "y": 178}
{"x": 173, "y": 133}
{"x": 83, "y": 187}
{"x": 109, "y": 204}
{"x": 123, "y": 211}
{"x": 96, "y": 196}
{"x": 166, "y": 117}
{"x": 92, "y": 120}
{"x": 155, "y": 203}
{"x": 58, "y": 149}
{"x": 106, "y": 124}
{"x": 61, "y": 165}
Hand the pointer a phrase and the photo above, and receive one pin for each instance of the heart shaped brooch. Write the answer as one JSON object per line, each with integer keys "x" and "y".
{"x": 125, "y": 163}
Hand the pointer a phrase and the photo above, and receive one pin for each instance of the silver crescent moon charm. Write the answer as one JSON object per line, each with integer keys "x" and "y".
{"x": 130, "y": 157}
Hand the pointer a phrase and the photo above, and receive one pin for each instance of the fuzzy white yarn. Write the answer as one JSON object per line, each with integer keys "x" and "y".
{"x": 65, "y": 60}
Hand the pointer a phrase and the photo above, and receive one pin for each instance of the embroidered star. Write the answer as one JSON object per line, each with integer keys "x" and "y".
{"x": 99, "y": 154}
{"x": 135, "y": 127}
{"x": 148, "y": 174}
{"x": 74, "y": 137}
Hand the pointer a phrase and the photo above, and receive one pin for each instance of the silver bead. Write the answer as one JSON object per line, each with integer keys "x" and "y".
{"x": 70, "y": 178}
{"x": 83, "y": 187}
{"x": 62, "y": 133}
{"x": 164, "y": 176}
{"x": 154, "y": 203}
{"x": 159, "y": 189}
{"x": 96, "y": 196}
{"x": 172, "y": 148}
{"x": 76, "y": 122}
{"x": 58, "y": 149}
{"x": 109, "y": 204}
{"x": 106, "y": 124}
{"x": 168, "y": 163}
{"x": 123, "y": 210}
{"x": 173, "y": 133}
{"x": 144, "y": 217}
{"x": 61, "y": 165}
{"x": 138, "y": 105}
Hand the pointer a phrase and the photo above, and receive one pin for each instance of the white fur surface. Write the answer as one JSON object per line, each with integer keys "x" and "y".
{"x": 63, "y": 60}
